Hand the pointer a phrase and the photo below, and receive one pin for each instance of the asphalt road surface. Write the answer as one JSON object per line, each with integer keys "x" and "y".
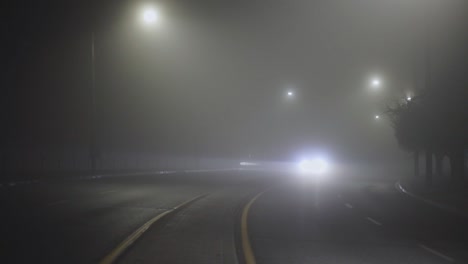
{"x": 230, "y": 217}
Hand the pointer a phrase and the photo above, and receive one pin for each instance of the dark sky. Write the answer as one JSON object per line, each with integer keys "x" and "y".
{"x": 211, "y": 78}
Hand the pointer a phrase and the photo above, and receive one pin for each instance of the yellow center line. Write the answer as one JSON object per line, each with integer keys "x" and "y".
{"x": 246, "y": 246}
{"x": 124, "y": 245}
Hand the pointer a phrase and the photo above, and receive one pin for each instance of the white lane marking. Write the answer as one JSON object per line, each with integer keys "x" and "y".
{"x": 109, "y": 191}
{"x": 437, "y": 253}
{"x": 57, "y": 202}
{"x": 374, "y": 221}
{"x": 348, "y": 205}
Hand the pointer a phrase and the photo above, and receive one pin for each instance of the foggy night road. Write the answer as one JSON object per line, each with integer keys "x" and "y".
{"x": 234, "y": 132}
{"x": 337, "y": 220}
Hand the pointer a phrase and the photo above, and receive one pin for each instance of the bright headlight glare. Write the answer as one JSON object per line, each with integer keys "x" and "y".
{"x": 314, "y": 166}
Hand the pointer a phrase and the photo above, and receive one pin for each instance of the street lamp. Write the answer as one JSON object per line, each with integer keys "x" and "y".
{"x": 408, "y": 98}
{"x": 376, "y": 83}
{"x": 377, "y": 117}
{"x": 150, "y": 16}
{"x": 290, "y": 94}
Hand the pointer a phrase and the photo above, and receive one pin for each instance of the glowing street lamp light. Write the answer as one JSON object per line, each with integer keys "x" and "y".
{"x": 290, "y": 94}
{"x": 377, "y": 117}
{"x": 150, "y": 16}
{"x": 408, "y": 98}
{"x": 376, "y": 83}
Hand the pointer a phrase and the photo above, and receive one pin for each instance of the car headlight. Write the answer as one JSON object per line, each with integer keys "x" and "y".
{"x": 314, "y": 166}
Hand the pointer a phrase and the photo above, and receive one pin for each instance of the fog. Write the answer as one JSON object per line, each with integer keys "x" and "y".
{"x": 211, "y": 79}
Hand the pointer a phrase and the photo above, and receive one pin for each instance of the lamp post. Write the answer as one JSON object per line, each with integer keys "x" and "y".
{"x": 93, "y": 153}
{"x": 149, "y": 16}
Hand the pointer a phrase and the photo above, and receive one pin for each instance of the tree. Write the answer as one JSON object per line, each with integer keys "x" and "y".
{"x": 435, "y": 122}
{"x": 409, "y": 124}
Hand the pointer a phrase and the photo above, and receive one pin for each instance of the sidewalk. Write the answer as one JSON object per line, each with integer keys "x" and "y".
{"x": 14, "y": 179}
{"x": 442, "y": 195}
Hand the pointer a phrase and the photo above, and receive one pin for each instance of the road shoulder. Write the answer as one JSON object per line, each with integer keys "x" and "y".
{"x": 444, "y": 201}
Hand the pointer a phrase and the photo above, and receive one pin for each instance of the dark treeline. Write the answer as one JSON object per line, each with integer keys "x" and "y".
{"x": 434, "y": 122}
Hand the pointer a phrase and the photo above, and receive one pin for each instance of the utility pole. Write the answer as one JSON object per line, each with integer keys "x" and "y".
{"x": 92, "y": 131}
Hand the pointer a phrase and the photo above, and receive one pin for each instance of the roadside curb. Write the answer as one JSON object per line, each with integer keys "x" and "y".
{"x": 444, "y": 207}
{"x": 130, "y": 240}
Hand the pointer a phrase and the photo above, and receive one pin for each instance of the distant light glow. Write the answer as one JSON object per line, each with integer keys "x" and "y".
{"x": 408, "y": 98}
{"x": 244, "y": 163}
{"x": 376, "y": 82}
{"x": 150, "y": 15}
{"x": 314, "y": 166}
{"x": 377, "y": 117}
{"x": 290, "y": 94}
